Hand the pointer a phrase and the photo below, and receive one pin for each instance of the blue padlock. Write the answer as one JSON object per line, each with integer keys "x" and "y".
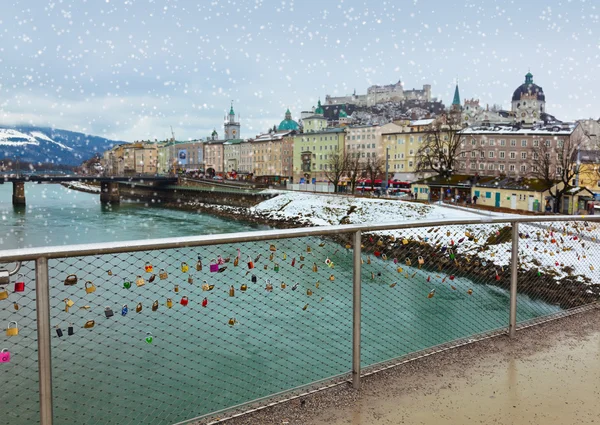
{"x": 124, "y": 310}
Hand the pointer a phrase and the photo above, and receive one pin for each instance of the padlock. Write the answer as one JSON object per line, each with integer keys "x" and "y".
{"x": 431, "y": 293}
{"x": 302, "y": 258}
{"x": 127, "y": 285}
{"x": 308, "y": 249}
{"x": 214, "y": 266}
{"x": 283, "y": 285}
{"x": 139, "y": 281}
{"x": 384, "y": 257}
{"x": 110, "y": 273}
{"x": 232, "y": 291}
{"x": 332, "y": 278}
{"x": 71, "y": 280}
{"x": 305, "y": 307}
{"x": 236, "y": 261}
{"x": 368, "y": 260}
{"x": 309, "y": 292}
{"x": 407, "y": 261}
{"x": 284, "y": 257}
{"x": 4, "y": 356}
{"x": 20, "y": 283}
{"x": 155, "y": 305}
{"x": 68, "y": 304}
{"x": 89, "y": 324}
{"x": 149, "y": 338}
{"x": 380, "y": 242}
{"x": 204, "y": 302}
{"x": 268, "y": 286}
{"x": 293, "y": 262}
{"x": 317, "y": 284}
{"x": 253, "y": 279}
{"x": 190, "y": 279}
{"x": 89, "y": 287}
{"x": 232, "y": 321}
{"x": 295, "y": 286}
{"x": 148, "y": 267}
{"x": 151, "y": 278}
{"x": 250, "y": 263}
{"x": 399, "y": 269}
{"x": 199, "y": 264}
{"x": 59, "y": 331}
{"x": 315, "y": 268}
{"x": 176, "y": 288}
{"x": 138, "y": 308}
{"x": 272, "y": 248}
{"x": 108, "y": 312}
{"x": 70, "y": 329}
{"x": 184, "y": 267}
{"x": 3, "y": 295}
{"x": 124, "y": 310}
{"x": 271, "y": 257}
{"x": 276, "y": 267}
{"x": 265, "y": 267}
{"x": 421, "y": 260}
{"x": 184, "y": 301}
{"x": 169, "y": 303}
{"x": 16, "y": 306}
{"x": 163, "y": 274}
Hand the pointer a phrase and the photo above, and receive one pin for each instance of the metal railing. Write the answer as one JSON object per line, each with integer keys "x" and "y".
{"x": 155, "y": 331}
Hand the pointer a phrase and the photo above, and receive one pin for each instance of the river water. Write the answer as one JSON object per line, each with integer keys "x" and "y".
{"x": 197, "y": 363}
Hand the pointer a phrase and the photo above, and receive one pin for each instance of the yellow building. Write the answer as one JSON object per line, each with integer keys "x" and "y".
{"x": 313, "y": 152}
{"x": 272, "y": 156}
{"x": 589, "y": 170}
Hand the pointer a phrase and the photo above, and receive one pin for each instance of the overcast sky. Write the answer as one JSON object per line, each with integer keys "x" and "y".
{"x": 130, "y": 69}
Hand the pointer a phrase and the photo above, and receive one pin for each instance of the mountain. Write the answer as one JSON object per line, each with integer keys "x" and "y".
{"x": 49, "y": 145}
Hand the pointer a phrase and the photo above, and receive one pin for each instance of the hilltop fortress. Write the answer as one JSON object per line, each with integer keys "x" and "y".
{"x": 381, "y": 94}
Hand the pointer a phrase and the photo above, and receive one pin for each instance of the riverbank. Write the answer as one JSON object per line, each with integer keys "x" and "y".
{"x": 82, "y": 187}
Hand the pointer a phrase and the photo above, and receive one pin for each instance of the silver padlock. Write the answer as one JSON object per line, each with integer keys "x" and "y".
{"x": 5, "y": 274}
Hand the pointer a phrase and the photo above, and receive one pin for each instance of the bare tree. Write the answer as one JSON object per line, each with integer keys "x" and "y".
{"x": 374, "y": 168}
{"x": 355, "y": 167}
{"x": 556, "y": 161}
{"x": 335, "y": 167}
{"x": 442, "y": 145}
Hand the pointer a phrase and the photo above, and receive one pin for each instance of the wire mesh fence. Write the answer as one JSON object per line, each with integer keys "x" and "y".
{"x": 166, "y": 335}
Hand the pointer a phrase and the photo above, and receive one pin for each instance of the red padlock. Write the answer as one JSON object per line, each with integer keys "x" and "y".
{"x": 204, "y": 302}
{"x": 451, "y": 277}
{"x": 250, "y": 263}
{"x": 20, "y": 283}
{"x": 184, "y": 301}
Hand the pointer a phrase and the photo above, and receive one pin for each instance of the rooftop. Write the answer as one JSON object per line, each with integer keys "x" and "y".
{"x": 506, "y": 129}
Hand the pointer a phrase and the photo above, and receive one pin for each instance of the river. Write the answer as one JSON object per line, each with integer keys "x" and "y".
{"x": 196, "y": 362}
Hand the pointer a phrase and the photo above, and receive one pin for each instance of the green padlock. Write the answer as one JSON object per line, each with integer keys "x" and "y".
{"x": 127, "y": 285}
{"x": 149, "y": 338}
{"x": 276, "y": 267}
{"x": 452, "y": 256}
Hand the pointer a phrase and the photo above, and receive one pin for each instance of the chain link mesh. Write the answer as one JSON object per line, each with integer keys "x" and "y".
{"x": 254, "y": 319}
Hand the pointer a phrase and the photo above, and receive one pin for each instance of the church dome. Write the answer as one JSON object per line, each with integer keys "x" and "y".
{"x": 288, "y": 123}
{"x": 529, "y": 90}
{"x": 319, "y": 109}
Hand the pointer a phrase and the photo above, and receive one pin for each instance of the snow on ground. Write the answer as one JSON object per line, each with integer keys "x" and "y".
{"x": 82, "y": 186}
{"x": 6, "y": 134}
{"x": 322, "y": 210}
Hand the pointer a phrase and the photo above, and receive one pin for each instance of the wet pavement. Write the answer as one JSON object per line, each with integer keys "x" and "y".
{"x": 549, "y": 374}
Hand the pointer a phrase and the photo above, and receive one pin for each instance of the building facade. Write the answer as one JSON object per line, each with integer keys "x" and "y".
{"x": 231, "y": 155}
{"x": 246, "y": 163}
{"x": 380, "y": 94}
{"x": 213, "y": 157}
{"x": 272, "y": 155}
{"x": 313, "y": 151}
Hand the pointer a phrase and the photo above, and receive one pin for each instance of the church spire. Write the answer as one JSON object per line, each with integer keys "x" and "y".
{"x": 456, "y": 100}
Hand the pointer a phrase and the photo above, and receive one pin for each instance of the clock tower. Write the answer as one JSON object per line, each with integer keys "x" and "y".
{"x": 232, "y": 127}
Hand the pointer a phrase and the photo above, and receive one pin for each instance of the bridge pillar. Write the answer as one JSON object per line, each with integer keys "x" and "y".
{"x": 109, "y": 193}
{"x": 18, "y": 193}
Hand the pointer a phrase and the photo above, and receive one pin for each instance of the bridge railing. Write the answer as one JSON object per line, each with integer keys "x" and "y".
{"x": 186, "y": 329}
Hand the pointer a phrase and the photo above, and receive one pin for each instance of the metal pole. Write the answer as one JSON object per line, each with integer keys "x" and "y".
{"x": 356, "y": 312}
{"x": 387, "y": 155}
{"x": 514, "y": 259}
{"x": 42, "y": 301}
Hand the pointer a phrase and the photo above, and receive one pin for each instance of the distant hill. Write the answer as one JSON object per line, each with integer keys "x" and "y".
{"x": 48, "y": 145}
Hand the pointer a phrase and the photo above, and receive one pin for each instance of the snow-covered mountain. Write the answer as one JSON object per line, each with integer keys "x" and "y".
{"x": 48, "y": 145}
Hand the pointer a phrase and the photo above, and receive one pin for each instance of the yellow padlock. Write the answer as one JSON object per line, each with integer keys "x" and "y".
{"x": 332, "y": 278}
{"x": 169, "y": 303}
{"x": 184, "y": 267}
{"x": 139, "y": 281}
{"x": 89, "y": 324}
{"x": 315, "y": 268}
{"x": 89, "y": 287}
{"x": 68, "y": 304}
{"x": 3, "y": 295}
{"x": 12, "y": 331}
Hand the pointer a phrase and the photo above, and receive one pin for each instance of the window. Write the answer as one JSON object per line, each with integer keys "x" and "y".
{"x": 473, "y": 166}
{"x": 523, "y": 168}
{"x": 547, "y": 143}
{"x": 511, "y": 167}
{"x": 472, "y": 154}
{"x": 492, "y": 142}
{"x": 502, "y": 142}
{"x": 488, "y": 195}
{"x": 410, "y": 163}
{"x": 491, "y": 154}
{"x": 473, "y": 142}
{"x": 559, "y": 144}
{"x": 523, "y": 155}
{"x": 535, "y": 155}
{"x": 502, "y": 155}
{"x": 420, "y": 139}
{"x": 412, "y": 139}
{"x": 463, "y": 154}
{"x": 513, "y": 155}
{"x": 482, "y": 142}
{"x": 523, "y": 143}
{"x": 464, "y": 165}
{"x": 501, "y": 167}
{"x": 482, "y": 166}
{"x": 482, "y": 154}
{"x": 411, "y": 152}
{"x": 559, "y": 170}
{"x": 513, "y": 142}
{"x": 490, "y": 166}
{"x": 536, "y": 143}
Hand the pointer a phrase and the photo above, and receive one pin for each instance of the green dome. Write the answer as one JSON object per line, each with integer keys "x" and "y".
{"x": 288, "y": 125}
{"x": 319, "y": 109}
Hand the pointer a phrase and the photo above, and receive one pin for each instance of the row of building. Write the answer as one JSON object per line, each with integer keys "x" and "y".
{"x": 294, "y": 151}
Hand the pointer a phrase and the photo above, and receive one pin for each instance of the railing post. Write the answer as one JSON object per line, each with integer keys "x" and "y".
{"x": 356, "y": 311}
{"x": 42, "y": 302}
{"x": 514, "y": 260}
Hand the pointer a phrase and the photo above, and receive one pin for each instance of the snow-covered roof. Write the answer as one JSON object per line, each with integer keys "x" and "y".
{"x": 505, "y": 129}
{"x": 422, "y": 122}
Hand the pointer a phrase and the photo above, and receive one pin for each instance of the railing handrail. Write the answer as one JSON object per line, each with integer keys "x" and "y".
{"x": 27, "y": 254}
